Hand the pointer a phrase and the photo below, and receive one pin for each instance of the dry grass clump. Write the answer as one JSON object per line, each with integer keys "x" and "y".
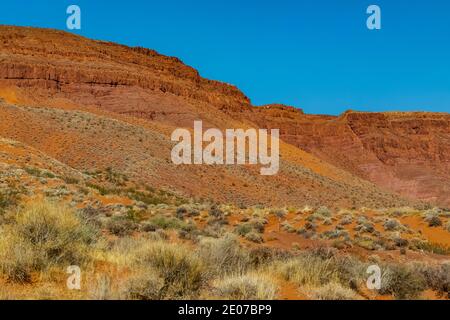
{"x": 8, "y": 198}
{"x": 306, "y": 270}
{"x": 334, "y": 291}
{"x": 144, "y": 286}
{"x": 437, "y": 277}
{"x": 101, "y": 289}
{"x": 42, "y": 235}
{"x": 121, "y": 226}
{"x": 17, "y": 258}
{"x": 224, "y": 256}
{"x": 402, "y": 281}
{"x": 217, "y": 268}
{"x": 244, "y": 228}
{"x": 254, "y": 237}
{"x": 245, "y": 287}
{"x": 286, "y": 226}
{"x": 346, "y": 220}
{"x": 321, "y": 271}
{"x": 170, "y": 272}
{"x": 323, "y": 211}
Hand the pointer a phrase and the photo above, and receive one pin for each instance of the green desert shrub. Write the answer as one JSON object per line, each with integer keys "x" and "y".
{"x": 392, "y": 225}
{"x": 165, "y": 222}
{"x": 252, "y": 226}
{"x": 244, "y": 228}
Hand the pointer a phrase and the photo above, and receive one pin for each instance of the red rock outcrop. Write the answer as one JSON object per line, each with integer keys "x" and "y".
{"x": 408, "y": 153}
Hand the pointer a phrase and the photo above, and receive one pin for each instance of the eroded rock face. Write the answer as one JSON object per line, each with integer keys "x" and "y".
{"x": 407, "y": 153}
{"x": 50, "y": 59}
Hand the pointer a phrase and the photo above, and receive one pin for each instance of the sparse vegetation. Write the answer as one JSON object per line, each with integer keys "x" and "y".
{"x": 334, "y": 291}
{"x": 392, "y": 225}
{"x": 121, "y": 226}
{"x": 8, "y": 198}
{"x": 254, "y": 237}
{"x": 404, "y": 282}
{"x": 172, "y": 272}
{"x": 306, "y": 270}
{"x": 245, "y": 287}
{"x": 216, "y": 263}
{"x": 42, "y": 235}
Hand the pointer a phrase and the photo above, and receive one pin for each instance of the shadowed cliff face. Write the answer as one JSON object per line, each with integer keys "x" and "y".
{"x": 151, "y": 94}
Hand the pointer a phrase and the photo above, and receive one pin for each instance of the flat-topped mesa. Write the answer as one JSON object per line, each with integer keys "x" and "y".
{"x": 52, "y": 59}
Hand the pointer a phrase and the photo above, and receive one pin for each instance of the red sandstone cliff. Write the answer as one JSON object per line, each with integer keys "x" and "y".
{"x": 406, "y": 153}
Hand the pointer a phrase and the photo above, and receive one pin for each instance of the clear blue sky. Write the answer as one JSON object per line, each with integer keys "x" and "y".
{"x": 313, "y": 54}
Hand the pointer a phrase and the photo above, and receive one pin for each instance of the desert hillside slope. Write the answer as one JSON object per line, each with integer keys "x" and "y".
{"x": 92, "y": 104}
